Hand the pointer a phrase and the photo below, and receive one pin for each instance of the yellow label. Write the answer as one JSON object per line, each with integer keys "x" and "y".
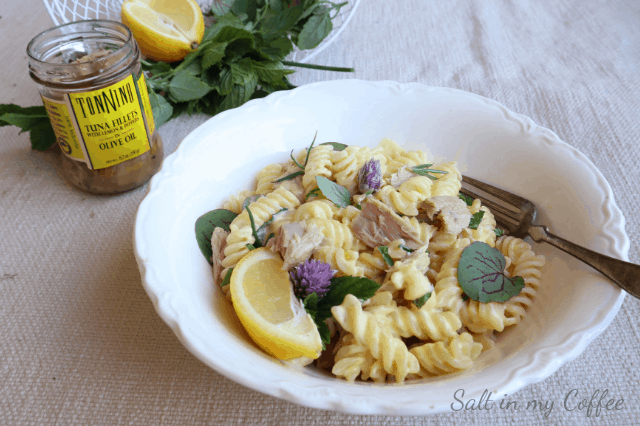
{"x": 144, "y": 94}
{"x": 63, "y": 128}
{"x": 110, "y": 123}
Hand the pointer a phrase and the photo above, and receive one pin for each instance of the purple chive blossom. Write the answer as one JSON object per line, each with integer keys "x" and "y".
{"x": 370, "y": 176}
{"x": 311, "y": 276}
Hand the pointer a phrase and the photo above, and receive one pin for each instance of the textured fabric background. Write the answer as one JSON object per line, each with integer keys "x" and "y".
{"x": 80, "y": 342}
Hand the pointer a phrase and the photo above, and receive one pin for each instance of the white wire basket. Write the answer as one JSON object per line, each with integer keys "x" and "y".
{"x": 65, "y": 11}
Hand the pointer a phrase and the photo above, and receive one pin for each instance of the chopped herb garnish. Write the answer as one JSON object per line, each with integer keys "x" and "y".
{"x": 250, "y": 247}
{"x": 476, "y": 219}
{"x": 407, "y": 249}
{"x": 336, "y": 145}
{"x": 289, "y": 177}
{"x": 424, "y": 170}
{"x": 313, "y": 193}
{"x": 465, "y": 198}
{"x": 256, "y": 237}
{"x": 206, "y": 224}
{"x": 385, "y": 255}
{"x": 499, "y": 232}
{"x": 419, "y": 302}
{"x": 227, "y": 278}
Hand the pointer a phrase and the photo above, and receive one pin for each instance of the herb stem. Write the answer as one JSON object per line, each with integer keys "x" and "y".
{"x": 317, "y": 67}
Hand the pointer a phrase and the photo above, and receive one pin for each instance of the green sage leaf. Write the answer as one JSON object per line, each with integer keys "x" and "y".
{"x": 205, "y": 226}
{"x": 481, "y": 274}
{"x": 334, "y": 192}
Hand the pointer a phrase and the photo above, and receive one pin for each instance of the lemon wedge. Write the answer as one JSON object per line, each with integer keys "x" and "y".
{"x": 165, "y": 30}
{"x": 275, "y": 319}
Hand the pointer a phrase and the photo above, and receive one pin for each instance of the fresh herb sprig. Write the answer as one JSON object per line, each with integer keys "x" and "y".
{"x": 424, "y": 170}
{"x": 241, "y": 56}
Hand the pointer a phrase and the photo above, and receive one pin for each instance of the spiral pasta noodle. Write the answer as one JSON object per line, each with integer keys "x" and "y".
{"x": 419, "y": 323}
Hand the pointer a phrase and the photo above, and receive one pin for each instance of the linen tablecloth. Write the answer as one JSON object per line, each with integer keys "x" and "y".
{"x": 80, "y": 342}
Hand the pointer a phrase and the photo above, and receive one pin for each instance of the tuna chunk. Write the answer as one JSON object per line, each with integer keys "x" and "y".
{"x": 378, "y": 225}
{"x": 218, "y": 243}
{"x": 401, "y": 176}
{"x": 296, "y": 242}
{"x": 453, "y": 212}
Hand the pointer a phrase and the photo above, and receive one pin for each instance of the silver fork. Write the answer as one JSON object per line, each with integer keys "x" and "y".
{"x": 523, "y": 221}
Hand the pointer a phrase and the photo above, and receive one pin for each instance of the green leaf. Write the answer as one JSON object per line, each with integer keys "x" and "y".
{"x": 289, "y": 177}
{"x": 195, "y": 68}
{"x": 407, "y": 249}
{"x": 238, "y": 96}
{"x": 315, "y": 30}
{"x": 25, "y": 119}
{"x": 227, "y": 278}
{"x": 221, "y": 7}
{"x": 271, "y": 72}
{"x": 212, "y": 55}
{"x": 337, "y": 146}
{"x": 185, "y": 86}
{"x": 205, "y": 225}
{"x": 419, "y": 302}
{"x": 334, "y": 192}
{"x": 155, "y": 68}
{"x": 311, "y": 303}
{"x": 499, "y": 232}
{"x": 275, "y": 50}
{"x": 42, "y": 136}
{"x": 465, "y": 198}
{"x": 476, "y": 219}
{"x": 325, "y": 333}
{"x": 385, "y": 255}
{"x": 481, "y": 274}
{"x": 248, "y": 7}
{"x": 256, "y": 237}
{"x": 226, "y": 82}
{"x": 276, "y": 23}
{"x": 250, "y": 247}
{"x": 360, "y": 287}
{"x": 262, "y": 231}
{"x": 160, "y": 108}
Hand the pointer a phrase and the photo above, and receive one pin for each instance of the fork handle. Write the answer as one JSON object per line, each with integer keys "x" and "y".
{"x": 626, "y": 275}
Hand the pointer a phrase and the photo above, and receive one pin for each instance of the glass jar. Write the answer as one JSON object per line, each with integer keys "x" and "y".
{"x": 91, "y": 83}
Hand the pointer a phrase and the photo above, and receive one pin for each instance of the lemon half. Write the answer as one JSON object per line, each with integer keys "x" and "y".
{"x": 165, "y": 30}
{"x": 275, "y": 319}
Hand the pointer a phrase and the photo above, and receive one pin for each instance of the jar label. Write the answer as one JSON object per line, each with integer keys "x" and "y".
{"x": 111, "y": 123}
{"x": 63, "y": 128}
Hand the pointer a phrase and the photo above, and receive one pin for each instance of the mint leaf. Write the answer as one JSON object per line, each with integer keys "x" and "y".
{"x": 221, "y": 7}
{"x": 276, "y": 23}
{"x": 311, "y": 303}
{"x": 275, "y": 50}
{"x": 185, "y": 86}
{"x": 476, "y": 219}
{"x": 419, "y": 302}
{"x": 334, "y": 192}
{"x": 337, "y": 146}
{"x": 271, "y": 72}
{"x": 325, "y": 333}
{"x": 25, "y": 119}
{"x": 315, "y": 29}
{"x": 205, "y": 225}
{"x": 499, "y": 232}
{"x": 362, "y": 288}
{"x": 41, "y": 135}
{"x": 160, "y": 108}
{"x": 465, "y": 198}
{"x": 248, "y": 7}
{"x": 385, "y": 255}
{"x": 481, "y": 274}
{"x": 212, "y": 55}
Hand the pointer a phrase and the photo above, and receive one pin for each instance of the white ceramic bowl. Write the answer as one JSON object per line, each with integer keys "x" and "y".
{"x": 491, "y": 143}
